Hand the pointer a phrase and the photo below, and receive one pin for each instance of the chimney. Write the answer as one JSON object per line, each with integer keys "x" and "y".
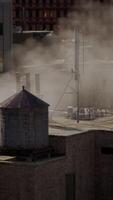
{"x": 37, "y": 84}
{"x": 18, "y": 81}
{"x": 28, "y": 85}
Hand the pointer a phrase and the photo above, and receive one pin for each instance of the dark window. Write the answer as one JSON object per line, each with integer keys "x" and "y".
{"x": 23, "y": 2}
{"x": 51, "y": 27}
{"x": 17, "y": 1}
{"x": 65, "y": 13}
{"x": 58, "y": 13}
{"x": 51, "y": 2}
{"x": 44, "y": 2}
{"x": 30, "y": 13}
{"x": 30, "y": 2}
{"x": 30, "y": 27}
{"x": 1, "y": 28}
{"x": 37, "y": 13}
{"x": 70, "y": 186}
{"x": 18, "y": 13}
{"x": 107, "y": 150}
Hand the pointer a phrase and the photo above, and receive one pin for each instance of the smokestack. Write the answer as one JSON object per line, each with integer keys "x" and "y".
{"x": 22, "y": 79}
{"x": 18, "y": 81}
{"x": 28, "y": 85}
{"x": 37, "y": 84}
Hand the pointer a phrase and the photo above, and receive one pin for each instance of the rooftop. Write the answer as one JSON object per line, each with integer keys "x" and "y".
{"x": 60, "y": 126}
{"x": 23, "y": 99}
{"x": 12, "y": 160}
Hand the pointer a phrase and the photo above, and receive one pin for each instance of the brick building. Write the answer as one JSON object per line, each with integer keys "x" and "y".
{"x": 5, "y": 34}
{"x": 83, "y": 170}
{"x": 39, "y": 15}
{"x": 78, "y": 166}
{"x": 43, "y": 14}
{"x": 31, "y": 15}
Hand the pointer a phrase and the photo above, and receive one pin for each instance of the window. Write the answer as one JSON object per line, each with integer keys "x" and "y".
{"x": 23, "y": 2}
{"x": 53, "y": 13}
{"x": 107, "y": 150}
{"x": 30, "y": 2}
{"x": 65, "y": 13}
{"x": 17, "y": 1}
{"x": 47, "y": 27}
{"x": 41, "y": 13}
{"x": 70, "y": 186}
{"x": 26, "y": 13}
{"x": 30, "y": 13}
{"x": 34, "y": 13}
{"x": 37, "y": 13}
{"x": 51, "y": 2}
{"x": 44, "y": 2}
{"x": 18, "y": 13}
{"x": 1, "y": 28}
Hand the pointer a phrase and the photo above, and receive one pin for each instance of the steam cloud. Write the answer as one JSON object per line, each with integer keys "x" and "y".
{"x": 54, "y": 58}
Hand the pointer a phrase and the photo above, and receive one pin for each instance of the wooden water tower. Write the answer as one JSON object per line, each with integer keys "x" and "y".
{"x": 24, "y": 122}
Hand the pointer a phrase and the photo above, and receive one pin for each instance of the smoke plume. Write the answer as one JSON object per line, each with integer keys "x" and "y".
{"x": 54, "y": 58}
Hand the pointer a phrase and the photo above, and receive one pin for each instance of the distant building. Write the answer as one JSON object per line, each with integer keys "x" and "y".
{"x": 33, "y": 16}
{"x": 65, "y": 165}
{"x": 5, "y": 34}
{"x": 39, "y": 15}
{"x": 43, "y": 14}
{"x": 17, "y": 16}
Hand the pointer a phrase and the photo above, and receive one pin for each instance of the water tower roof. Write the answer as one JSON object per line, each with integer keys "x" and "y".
{"x": 23, "y": 99}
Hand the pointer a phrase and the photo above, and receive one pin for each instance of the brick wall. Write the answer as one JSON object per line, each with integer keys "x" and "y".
{"x": 46, "y": 179}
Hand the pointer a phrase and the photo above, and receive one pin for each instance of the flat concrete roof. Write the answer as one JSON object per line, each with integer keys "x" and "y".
{"x": 6, "y": 158}
{"x": 63, "y": 132}
{"x": 65, "y": 127}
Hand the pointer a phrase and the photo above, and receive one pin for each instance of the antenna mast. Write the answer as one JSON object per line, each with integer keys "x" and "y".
{"x": 77, "y": 75}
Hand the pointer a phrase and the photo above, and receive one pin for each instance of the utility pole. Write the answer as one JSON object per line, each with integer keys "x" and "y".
{"x": 77, "y": 75}
{"x": 3, "y": 49}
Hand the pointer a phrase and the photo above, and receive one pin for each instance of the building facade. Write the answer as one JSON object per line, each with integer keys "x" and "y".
{"x": 43, "y": 14}
{"x": 83, "y": 170}
{"x": 39, "y": 15}
{"x": 5, "y": 34}
{"x": 30, "y": 15}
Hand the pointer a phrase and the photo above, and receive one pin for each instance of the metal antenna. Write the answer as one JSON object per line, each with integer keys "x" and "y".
{"x": 77, "y": 75}
{"x": 83, "y": 52}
